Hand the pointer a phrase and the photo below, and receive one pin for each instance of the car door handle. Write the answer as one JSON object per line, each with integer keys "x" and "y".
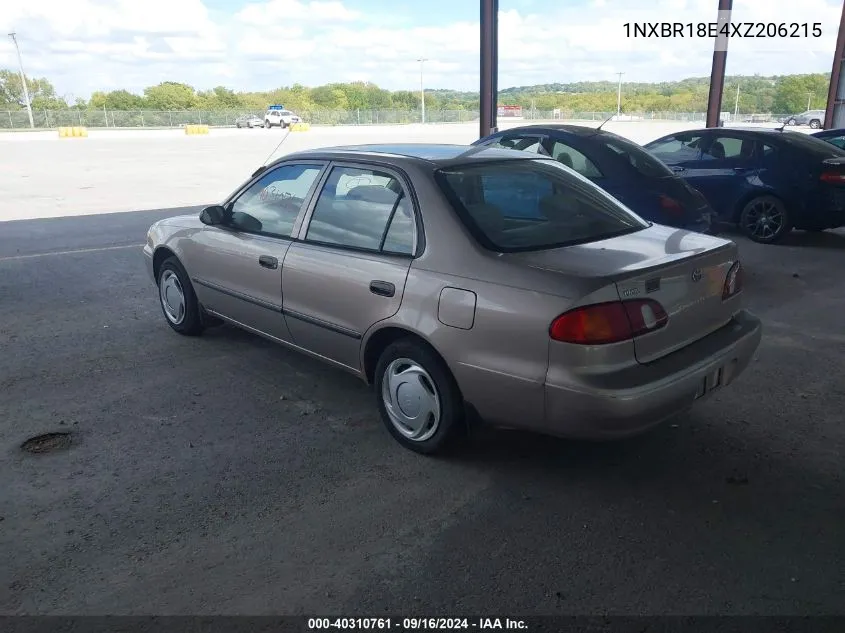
{"x": 268, "y": 262}
{"x": 382, "y": 288}
{"x": 740, "y": 169}
{"x": 677, "y": 168}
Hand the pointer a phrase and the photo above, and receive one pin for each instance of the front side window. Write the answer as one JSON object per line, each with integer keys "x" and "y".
{"x": 533, "y": 205}
{"x": 363, "y": 209}
{"x": 272, "y": 204}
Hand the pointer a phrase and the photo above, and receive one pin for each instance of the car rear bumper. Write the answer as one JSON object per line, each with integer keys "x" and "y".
{"x": 631, "y": 401}
{"x": 824, "y": 210}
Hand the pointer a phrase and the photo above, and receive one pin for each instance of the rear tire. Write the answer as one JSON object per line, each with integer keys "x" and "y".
{"x": 418, "y": 399}
{"x": 765, "y": 220}
{"x": 177, "y": 299}
{"x": 815, "y": 124}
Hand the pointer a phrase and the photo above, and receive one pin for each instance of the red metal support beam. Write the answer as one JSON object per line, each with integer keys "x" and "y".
{"x": 834, "y": 115}
{"x": 489, "y": 66}
{"x": 717, "y": 73}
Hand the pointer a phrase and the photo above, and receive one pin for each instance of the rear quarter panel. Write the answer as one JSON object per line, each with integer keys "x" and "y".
{"x": 501, "y": 363}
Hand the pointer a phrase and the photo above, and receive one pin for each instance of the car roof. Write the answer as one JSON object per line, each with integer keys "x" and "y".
{"x": 577, "y": 130}
{"x": 437, "y": 155}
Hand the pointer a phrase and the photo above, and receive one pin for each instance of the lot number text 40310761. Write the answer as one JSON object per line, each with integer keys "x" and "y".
{"x": 715, "y": 29}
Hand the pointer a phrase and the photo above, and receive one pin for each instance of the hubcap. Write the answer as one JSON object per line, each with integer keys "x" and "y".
{"x": 764, "y": 220}
{"x": 411, "y": 399}
{"x": 172, "y": 297}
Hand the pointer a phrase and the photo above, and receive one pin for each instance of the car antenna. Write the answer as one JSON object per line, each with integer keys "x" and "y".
{"x": 275, "y": 149}
{"x": 608, "y": 119}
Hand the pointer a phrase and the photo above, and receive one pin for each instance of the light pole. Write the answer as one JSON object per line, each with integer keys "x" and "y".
{"x": 422, "y": 60}
{"x": 23, "y": 80}
{"x": 619, "y": 97}
{"x": 736, "y": 105}
{"x": 809, "y": 97}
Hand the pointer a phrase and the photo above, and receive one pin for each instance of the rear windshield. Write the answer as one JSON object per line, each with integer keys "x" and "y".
{"x": 811, "y": 143}
{"x": 644, "y": 163}
{"x": 522, "y": 205}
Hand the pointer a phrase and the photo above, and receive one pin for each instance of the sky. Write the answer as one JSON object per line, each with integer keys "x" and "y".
{"x": 87, "y": 45}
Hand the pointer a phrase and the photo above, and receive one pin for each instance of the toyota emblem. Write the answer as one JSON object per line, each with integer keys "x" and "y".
{"x": 696, "y": 275}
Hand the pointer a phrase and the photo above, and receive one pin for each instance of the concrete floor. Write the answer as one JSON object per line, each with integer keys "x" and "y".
{"x": 224, "y": 475}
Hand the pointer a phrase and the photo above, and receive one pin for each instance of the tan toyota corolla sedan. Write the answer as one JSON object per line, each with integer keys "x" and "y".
{"x": 462, "y": 282}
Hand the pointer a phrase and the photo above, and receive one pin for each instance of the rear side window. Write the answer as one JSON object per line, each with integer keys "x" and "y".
{"x": 679, "y": 147}
{"x": 572, "y": 158}
{"x": 525, "y": 143}
{"x": 363, "y": 209}
{"x": 533, "y": 205}
{"x": 730, "y": 147}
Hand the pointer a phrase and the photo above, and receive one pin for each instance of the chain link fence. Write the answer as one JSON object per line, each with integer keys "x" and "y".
{"x": 49, "y": 119}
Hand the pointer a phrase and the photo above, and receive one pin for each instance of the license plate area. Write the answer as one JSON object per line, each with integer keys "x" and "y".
{"x": 710, "y": 382}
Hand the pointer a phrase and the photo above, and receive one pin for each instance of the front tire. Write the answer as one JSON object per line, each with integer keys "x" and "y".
{"x": 418, "y": 398}
{"x": 177, "y": 298}
{"x": 815, "y": 124}
{"x": 765, "y": 220}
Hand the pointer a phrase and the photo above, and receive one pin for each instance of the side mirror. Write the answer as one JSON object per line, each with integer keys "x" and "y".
{"x": 213, "y": 215}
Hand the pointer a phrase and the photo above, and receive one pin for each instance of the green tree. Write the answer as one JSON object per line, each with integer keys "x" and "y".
{"x": 170, "y": 95}
{"x": 11, "y": 90}
{"x": 792, "y": 93}
{"x": 330, "y": 97}
{"x": 123, "y": 100}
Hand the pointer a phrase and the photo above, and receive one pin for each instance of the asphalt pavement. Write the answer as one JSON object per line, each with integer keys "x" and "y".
{"x": 225, "y": 475}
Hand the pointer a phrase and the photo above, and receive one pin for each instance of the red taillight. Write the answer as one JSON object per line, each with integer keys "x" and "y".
{"x": 733, "y": 282}
{"x": 834, "y": 177}
{"x": 603, "y": 323}
{"x": 670, "y": 204}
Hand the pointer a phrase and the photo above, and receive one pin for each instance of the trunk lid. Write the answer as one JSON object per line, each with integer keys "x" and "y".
{"x": 683, "y": 271}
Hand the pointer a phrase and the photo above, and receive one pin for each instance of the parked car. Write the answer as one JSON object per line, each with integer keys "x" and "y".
{"x": 622, "y": 168}
{"x": 560, "y": 311}
{"x": 249, "y": 120}
{"x": 279, "y": 117}
{"x": 765, "y": 181}
{"x": 813, "y": 118}
{"x": 834, "y": 137}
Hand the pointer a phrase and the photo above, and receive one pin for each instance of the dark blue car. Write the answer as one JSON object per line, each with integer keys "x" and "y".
{"x": 765, "y": 181}
{"x": 620, "y": 167}
{"x": 834, "y": 137}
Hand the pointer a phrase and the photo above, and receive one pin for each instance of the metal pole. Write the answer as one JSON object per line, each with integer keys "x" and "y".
{"x": 13, "y": 35}
{"x": 489, "y": 66}
{"x": 422, "y": 60}
{"x": 619, "y": 96}
{"x": 736, "y": 105}
{"x": 720, "y": 58}
{"x": 809, "y": 97}
{"x": 834, "y": 99}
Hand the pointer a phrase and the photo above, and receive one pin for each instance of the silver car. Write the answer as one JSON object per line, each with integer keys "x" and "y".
{"x": 249, "y": 120}
{"x": 465, "y": 283}
{"x": 813, "y": 118}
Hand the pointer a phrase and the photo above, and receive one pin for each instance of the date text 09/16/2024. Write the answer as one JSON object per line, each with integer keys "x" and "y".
{"x": 742, "y": 30}
{"x": 415, "y": 624}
